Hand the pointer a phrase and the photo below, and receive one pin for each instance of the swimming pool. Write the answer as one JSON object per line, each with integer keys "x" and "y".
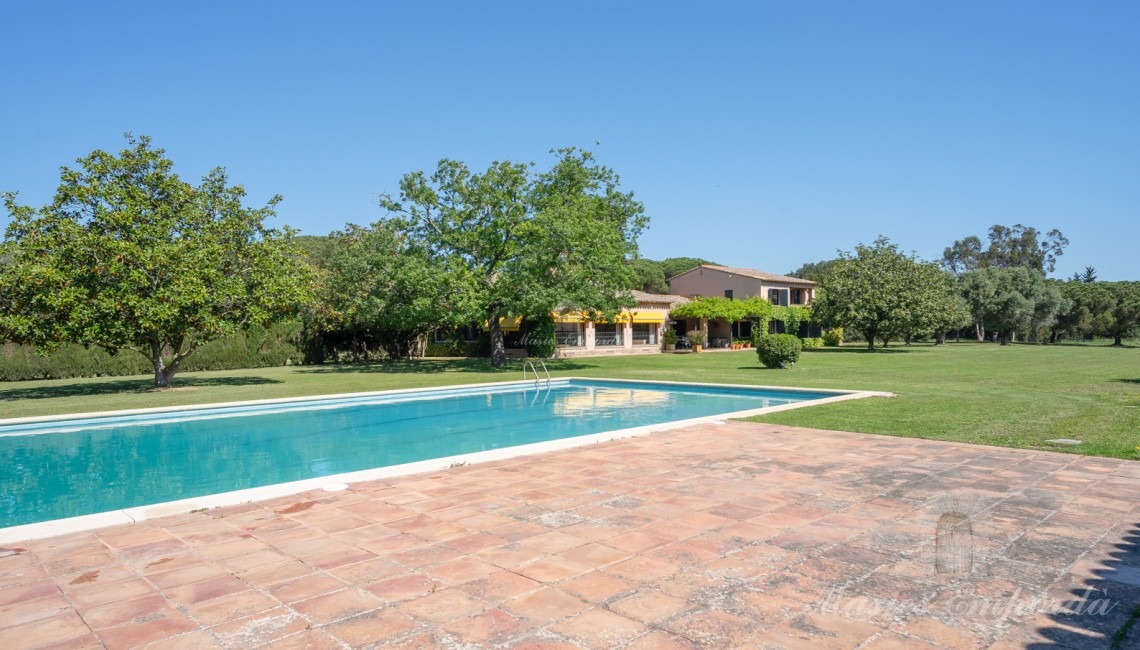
{"x": 63, "y": 468}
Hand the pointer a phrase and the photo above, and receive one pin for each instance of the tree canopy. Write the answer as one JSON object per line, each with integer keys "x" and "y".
{"x": 1109, "y": 309}
{"x": 128, "y": 256}
{"x": 1009, "y": 299}
{"x": 882, "y": 293}
{"x": 384, "y": 291}
{"x": 814, "y": 270}
{"x": 525, "y": 243}
{"x": 1008, "y": 247}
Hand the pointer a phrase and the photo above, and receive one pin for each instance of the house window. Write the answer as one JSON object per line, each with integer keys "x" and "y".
{"x": 778, "y": 297}
{"x": 606, "y": 334}
{"x": 644, "y": 334}
{"x": 797, "y": 296}
{"x": 728, "y": 293}
{"x": 569, "y": 335}
{"x": 742, "y": 329}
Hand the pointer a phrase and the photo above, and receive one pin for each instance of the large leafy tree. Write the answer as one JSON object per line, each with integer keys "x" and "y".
{"x": 383, "y": 290}
{"x": 526, "y": 243}
{"x": 882, "y": 293}
{"x": 128, "y": 256}
{"x": 1010, "y": 299}
{"x": 1101, "y": 309}
{"x": 1009, "y": 246}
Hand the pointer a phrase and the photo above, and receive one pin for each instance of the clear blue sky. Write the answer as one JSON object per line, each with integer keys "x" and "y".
{"x": 757, "y": 134}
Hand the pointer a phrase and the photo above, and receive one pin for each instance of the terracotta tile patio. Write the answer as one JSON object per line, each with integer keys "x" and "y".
{"x": 735, "y": 535}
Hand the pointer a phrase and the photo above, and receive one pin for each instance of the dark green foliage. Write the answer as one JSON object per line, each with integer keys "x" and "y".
{"x": 648, "y": 276}
{"x": 456, "y": 348}
{"x": 779, "y": 350}
{"x": 518, "y": 242}
{"x": 1009, "y": 300}
{"x": 674, "y": 266}
{"x": 1009, "y": 247}
{"x": 540, "y": 337}
{"x": 258, "y": 347}
{"x": 128, "y": 256}
{"x": 813, "y": 270}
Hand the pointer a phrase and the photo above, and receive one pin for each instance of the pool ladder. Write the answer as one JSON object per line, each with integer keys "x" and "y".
{"x": 529, "y": 363}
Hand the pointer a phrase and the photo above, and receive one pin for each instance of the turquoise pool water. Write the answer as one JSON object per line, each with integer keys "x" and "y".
{"x": 67, "y": 468}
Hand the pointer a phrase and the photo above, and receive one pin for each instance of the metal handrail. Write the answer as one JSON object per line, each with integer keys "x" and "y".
{"x": 537, "y": 378}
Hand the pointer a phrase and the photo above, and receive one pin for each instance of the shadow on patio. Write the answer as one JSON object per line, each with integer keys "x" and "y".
{"x": 1103, "y": 613}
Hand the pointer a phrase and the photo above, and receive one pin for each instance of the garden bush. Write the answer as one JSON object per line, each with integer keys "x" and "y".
{"x": 812, "y": 343}
{"x": 833, "y": 337}
{"x": 779, "y": 350}
{"x": 257, "y": 347}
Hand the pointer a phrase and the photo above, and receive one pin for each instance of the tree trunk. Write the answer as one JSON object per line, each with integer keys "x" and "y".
{"x": 940, "y": 338}
{"x": 980, "y": 329}
{"x": 1116, "y": 340}
{"x": 870, "y": 336}
{"x": 162, "y": 375}
{"x": 498, "y": 349}
{"x": 1005, "y": 336}
{"x": 907, "y": 340}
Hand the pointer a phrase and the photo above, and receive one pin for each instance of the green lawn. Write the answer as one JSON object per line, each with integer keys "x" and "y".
{"x": 1016, "y": 396}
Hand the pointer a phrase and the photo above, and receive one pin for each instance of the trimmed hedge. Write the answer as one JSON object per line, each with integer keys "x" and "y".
{"x": 258, "y": 347}
{"x": 779, "y": 350}
{"x": 813, "y": 343}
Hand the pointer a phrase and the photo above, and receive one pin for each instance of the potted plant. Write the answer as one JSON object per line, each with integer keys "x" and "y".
{"x": 670, "y": 337}
{"x": 696, "y": 339}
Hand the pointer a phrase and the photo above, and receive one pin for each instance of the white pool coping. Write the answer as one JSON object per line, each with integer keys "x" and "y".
{"x": 142, "y": 513}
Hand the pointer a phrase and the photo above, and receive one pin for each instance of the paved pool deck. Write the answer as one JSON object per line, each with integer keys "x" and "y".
{"x": 738, "y": 535}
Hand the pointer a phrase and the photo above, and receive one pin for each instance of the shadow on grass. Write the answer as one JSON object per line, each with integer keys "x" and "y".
{"x": 1105, "y": 610}
{"x": 1127, "y": 381}
{"x": 860, "y": 350}
{"x": 126, "y": 386}
{"x": 435, "y": 366}
{"x": 1094, "y": 344}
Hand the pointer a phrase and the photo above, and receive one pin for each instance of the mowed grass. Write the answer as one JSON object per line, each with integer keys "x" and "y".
{"x": 1014, "y": 396}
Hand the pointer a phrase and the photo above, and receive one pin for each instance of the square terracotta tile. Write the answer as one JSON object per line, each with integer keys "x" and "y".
{"x": 118, "y": 613}
{"x": 337, "y": 605}
{"x": 442, "y": 606}
{"x": 596, "y": 587}
{"x": 305, "y": 587}
{"x": 499, "y": 587}
{"x": 226, "y": 608}
{"x": 261, "y": 628}
{"x": 551, "y": 569}
{"x": 378, "y": 628}
{"x": 460, "y": 570}
{"x": 206, "y": 590}
{"x": 598, "y": 628}
{"x": 489, "y": 627}
{"x": 641, "y": 569}
{"x": 146, "y": 630}
{"x": 545, "y": 606}
{"x": 650, "y": 606}
{"x": 402, "y": 587}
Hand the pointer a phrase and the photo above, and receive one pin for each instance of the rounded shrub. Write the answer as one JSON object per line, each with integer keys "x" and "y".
{"x": 813, "y": 343}
{"x": 833, "y": 337}
{"x": 779, "y": 350}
